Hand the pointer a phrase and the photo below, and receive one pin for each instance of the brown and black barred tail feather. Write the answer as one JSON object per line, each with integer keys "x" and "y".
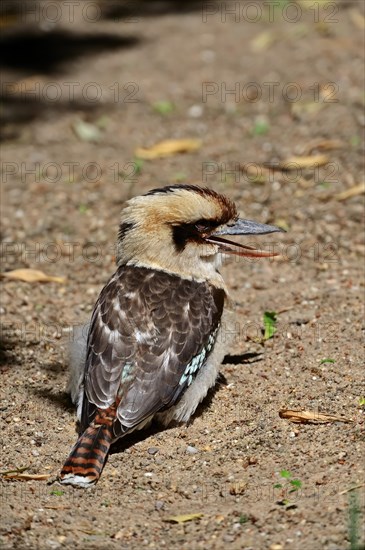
{"x": 86, "y": 461}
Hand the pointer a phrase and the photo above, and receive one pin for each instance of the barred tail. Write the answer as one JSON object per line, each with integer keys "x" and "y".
{"x": 86, "y": 461}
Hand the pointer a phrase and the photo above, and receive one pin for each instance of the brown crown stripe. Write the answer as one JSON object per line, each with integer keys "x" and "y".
{"x": 229, "y": 210}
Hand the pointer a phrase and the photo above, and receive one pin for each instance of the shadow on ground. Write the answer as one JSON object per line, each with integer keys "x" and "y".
{"x": 39, "y": 53}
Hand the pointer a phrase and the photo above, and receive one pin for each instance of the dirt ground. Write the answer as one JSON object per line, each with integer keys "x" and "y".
{"x": 255, "y": 86}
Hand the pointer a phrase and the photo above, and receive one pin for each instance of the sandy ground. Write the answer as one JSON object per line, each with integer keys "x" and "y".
{"x": 255, "y": 87}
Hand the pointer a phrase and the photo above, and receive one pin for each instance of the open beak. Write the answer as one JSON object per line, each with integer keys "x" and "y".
{"x": 243, "y": 227}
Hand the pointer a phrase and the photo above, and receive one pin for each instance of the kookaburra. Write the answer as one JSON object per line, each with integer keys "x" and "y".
{"x": 154, "y": 343}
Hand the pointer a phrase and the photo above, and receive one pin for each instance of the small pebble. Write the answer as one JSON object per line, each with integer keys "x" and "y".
{"x": 208, "y": 56}
{"x": 228, "y": 538}
{"x": 52, "y": 544}
{"x": 159, "y": 505}
{"x": 195, "y": 111}
{"x": 191, "y": 450}
{"x": 152, "y": 450}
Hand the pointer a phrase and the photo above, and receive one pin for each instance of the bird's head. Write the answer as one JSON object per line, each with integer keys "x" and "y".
{"x": 182, "y": 229}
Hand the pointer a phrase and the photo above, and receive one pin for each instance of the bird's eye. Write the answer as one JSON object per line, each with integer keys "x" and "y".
{"x": 201, "y": 227}
{"x": 204, "y": 225}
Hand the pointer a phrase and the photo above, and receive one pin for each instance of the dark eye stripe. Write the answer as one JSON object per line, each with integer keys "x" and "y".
{"x": 185, "y": 232}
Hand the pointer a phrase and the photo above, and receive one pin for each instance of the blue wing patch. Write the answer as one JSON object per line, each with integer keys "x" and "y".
{"x": 198, "y": 361}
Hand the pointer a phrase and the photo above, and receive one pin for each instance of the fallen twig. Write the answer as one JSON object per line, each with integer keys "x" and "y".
{"x": 310, "y": 417}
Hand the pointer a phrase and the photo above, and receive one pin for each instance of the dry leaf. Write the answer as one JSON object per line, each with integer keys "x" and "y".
{"x": 324, "y": 145}
{"x": 31, "y": 276}
{"x": 323, "y": 29}
{"x": 16, "y": 471}
{"x": 27, "y": 477}
{"x": 282, "y": 223}
{"x": 167, "y": 148}
{"x": 310, "y": 417}
{"x": 284, "y": 309}
{"x": 25, "y": 85}
{"x": 89, "y": 531}
{"x": 184, "y": 518}
{"x": 357, "y": 18}
{"x": 263, "y": 40}
{"x": 327, "y": 93}
{"x": 352, "y": 192}
{"x": 352, "y": 489}
{"x": 256, "y": 172}
{"x": 86, "y": 131}
{"x": 57, "y": 507}
{"x": 300, "y": 109}
{"x": 293, "y": 163}
{"x": 306, "y": 5}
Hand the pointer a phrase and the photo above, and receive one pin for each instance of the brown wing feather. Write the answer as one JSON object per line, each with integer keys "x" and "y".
{"x": 147, "y": 327}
